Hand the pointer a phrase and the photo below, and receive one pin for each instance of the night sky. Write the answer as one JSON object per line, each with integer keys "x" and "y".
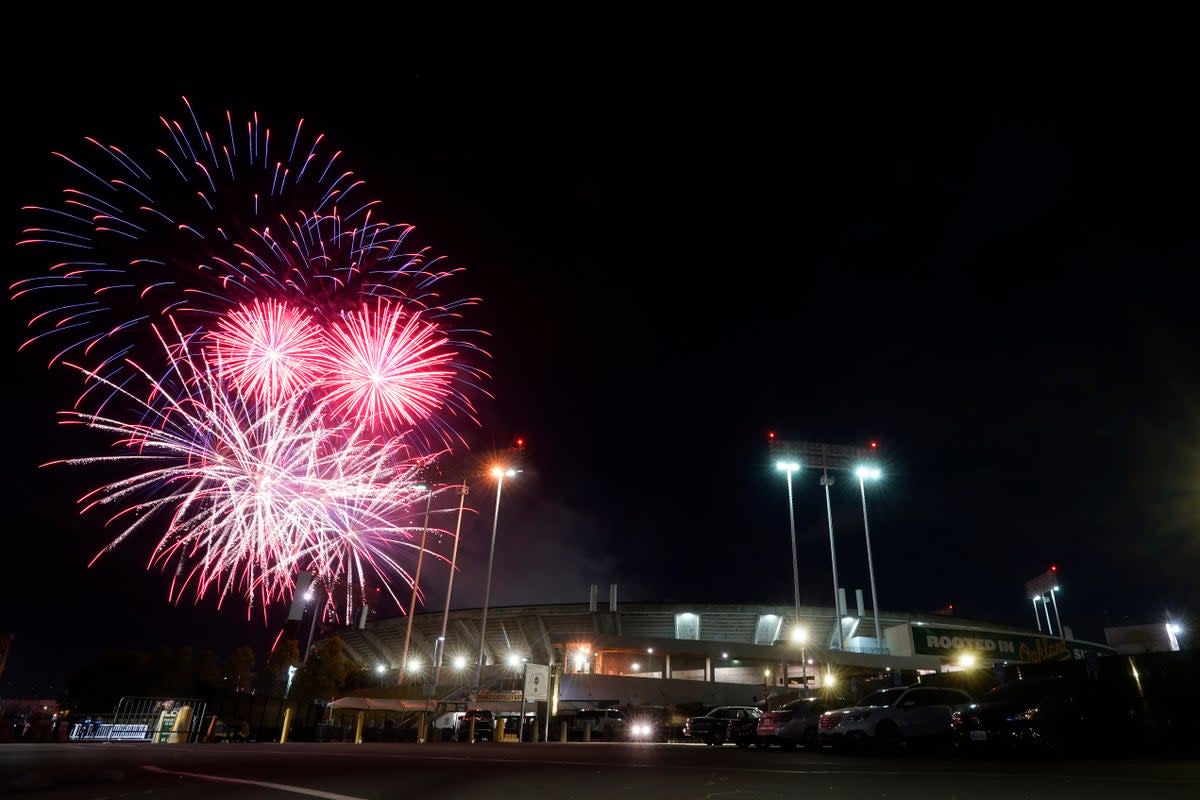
{"x": 969, "y": 235}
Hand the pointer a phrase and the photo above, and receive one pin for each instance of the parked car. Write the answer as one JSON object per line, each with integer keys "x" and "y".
{"x": 606, "y": 724}
{"x": 1035, "y": 714}
{"x": 892, "y": 718}
{"x": 737, "y": 724}
{"x": 485, "y": 725}
{"x": 795, "y": 723}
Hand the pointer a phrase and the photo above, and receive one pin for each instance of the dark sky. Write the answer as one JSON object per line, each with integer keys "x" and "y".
{"x": 969, "y": 235}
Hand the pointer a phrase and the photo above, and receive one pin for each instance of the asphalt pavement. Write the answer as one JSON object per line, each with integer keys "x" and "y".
{"x": 564, "y": 771}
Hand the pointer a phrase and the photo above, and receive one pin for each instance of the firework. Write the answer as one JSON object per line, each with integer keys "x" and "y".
{"x": 253, "y": 240}
{"x": 252, "y": 493}
{"x": 387, "y": 367}
{"x": 269, "y": 350}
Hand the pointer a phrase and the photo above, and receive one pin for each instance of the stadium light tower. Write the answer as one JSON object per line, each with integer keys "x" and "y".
{"x": 863, "y": 473}
{"x": 412, "y": 604}
{"x": 826, "y": 482}
{"x": 826, "y": 457}
{"x": 800, "y": 637}
{"x": 499, "y": 473}
{"x": 789, "y": 468}
{"x": 1037, "y": 589}
{"x": 440, "y": 644}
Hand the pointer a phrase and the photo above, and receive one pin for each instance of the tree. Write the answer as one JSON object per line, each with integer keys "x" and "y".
{"x": 239, "y": 669}
{"x": 105, "y": 679}
{"x": 285, "y": 656}
{"x": 207, "y": 672}
{"x": 325, "y": 672}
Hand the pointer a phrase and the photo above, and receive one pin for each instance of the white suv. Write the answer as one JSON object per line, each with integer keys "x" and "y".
{"x": 891, "y": 717}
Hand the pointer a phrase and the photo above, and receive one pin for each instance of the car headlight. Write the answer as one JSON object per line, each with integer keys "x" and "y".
{"x": 1026, "y": 715}
{"x": 641, "y": 730}
{"x": 857, "y": 716}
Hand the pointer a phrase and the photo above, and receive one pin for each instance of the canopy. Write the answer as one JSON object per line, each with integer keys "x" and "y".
{"x": 376, "y": 704}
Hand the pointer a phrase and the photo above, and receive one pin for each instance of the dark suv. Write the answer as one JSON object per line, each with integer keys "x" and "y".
{"x": 1048, "y": 714}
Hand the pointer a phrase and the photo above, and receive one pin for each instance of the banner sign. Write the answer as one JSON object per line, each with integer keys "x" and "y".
{"x": 109, "y": 732}
{"x": 537, "y": 682}
{"x": 951, "y": 642}
{"x": 486, "y": 697}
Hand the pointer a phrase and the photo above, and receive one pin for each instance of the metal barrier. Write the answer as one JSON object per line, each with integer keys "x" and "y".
{"x": 162, "y": 720}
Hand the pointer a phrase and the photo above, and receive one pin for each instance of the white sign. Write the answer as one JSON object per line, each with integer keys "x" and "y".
{"x": 537, "y": 682}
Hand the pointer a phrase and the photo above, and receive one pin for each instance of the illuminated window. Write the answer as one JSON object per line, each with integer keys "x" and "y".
{"x": 766, "y": 630}
{"x": 687, "y": 626}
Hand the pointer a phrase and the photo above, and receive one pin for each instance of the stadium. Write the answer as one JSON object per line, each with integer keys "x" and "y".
{"x": 663, "y": 653}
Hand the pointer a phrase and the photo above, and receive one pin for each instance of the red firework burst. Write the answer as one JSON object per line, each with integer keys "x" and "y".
{"x": 387, "y": 367}
{"x": 270, "y": 350}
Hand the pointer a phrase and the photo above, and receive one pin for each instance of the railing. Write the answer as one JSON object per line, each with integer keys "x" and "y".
{"x": 163, "y": 720}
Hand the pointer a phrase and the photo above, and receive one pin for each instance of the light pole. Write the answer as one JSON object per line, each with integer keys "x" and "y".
{"x": 1057, "y": 618}
{"x": 462, "y": 499}
{"x": 827, "y": 481}
{"x": 789, "y": 468}
{"x": 499, "y": 473}
{"x": 800, "y": 637}
{"x": 315, "y": 596}
{"x": 873, "y": 473}
{"x": 412, "y": 604}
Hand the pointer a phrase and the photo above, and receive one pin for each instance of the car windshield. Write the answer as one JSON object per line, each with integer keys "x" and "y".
{"x": 884, "y": 697}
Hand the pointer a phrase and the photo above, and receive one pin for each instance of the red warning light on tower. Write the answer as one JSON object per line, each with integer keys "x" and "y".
{"x": 520, "y": 443}
{"x": 1053, "y": 568}
{"x": 771, "y": 435}
{"x": 874, "y": 445}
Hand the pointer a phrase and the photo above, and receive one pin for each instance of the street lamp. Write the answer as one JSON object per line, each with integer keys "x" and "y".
{"x": 873, "y": 473}
{"x": 499, "y": 473}
{"x": 789, "y": 468}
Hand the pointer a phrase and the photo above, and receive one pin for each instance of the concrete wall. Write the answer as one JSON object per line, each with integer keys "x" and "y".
{"x": 577, "y": 690}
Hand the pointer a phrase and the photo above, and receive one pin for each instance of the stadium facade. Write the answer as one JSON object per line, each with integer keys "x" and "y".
{"x": 701, "y": 651}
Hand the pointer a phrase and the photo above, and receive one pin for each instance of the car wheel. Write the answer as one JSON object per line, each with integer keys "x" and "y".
{"x": 854, "y": 740}
{"x": 887, "y": 736}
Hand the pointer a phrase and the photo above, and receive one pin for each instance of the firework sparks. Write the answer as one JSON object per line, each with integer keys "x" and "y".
{"x": 269, "y": 350}
{"x": 222, "y": 232}
{"x": 251, "y": 494}
{"x": 387, "y": 367}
